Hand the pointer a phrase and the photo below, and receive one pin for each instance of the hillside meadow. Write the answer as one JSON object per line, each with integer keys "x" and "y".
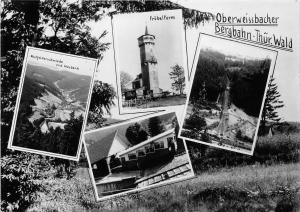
{"x": 264, "y": 182}
{"x": 248, "y": 188}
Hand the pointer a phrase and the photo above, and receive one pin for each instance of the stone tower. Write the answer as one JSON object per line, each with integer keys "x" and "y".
{"x": 148, "y": 64}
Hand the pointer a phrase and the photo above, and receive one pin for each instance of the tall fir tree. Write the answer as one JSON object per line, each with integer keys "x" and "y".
{"x": 271, "y": 106}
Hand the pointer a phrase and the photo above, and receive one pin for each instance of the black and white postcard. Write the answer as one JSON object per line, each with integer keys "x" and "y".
{"x": 229, "y": 81}
{"x": 137, "y": 155}
{"x": 150, "y": 61}
{"x": 52, "y": 103}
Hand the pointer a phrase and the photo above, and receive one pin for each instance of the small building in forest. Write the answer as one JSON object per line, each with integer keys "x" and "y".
{"x": 46, "y": 125}
{"x": 117, "y": 165}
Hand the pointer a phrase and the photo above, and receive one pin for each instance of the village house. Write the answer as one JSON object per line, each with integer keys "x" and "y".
{"x": 118, "y": 166}
{"x": 46, "y": 125}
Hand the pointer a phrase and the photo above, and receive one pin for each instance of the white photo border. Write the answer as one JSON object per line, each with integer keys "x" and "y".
{"x": 117, "y": 69}
{"x": 16, "y": 110}
{"x": 193, "y": 71}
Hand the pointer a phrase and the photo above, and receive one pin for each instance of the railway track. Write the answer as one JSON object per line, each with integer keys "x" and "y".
{"x": 179, "y": 171}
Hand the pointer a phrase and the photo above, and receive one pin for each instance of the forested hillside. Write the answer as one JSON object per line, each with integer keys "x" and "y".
{"x": 31, "y": 90}
{"x": 247, "y": 79}
{"x": 37, "y": 82}
{"x": 69, "y": 79}
{"x": 65, "y": 80}
{"x": 44, "y": 76}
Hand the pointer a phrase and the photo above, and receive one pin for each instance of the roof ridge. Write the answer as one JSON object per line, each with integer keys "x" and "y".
{"x": 111, "y": 144}
{"x": 100, "y": 147}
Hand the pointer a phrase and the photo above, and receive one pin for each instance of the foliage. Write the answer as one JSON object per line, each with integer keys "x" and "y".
{"x": 287, "y": 128}
{"x": 19, "y": 179}
{"x": 210, "y": 71}
{"x": 136, "y": 133}
{"x": 71, "y": 136}
{"x": 195, "y": 122}
{"x": 247, "y": 81}
{"x": 64, "y": 195}
{"x": 69, "y": 29}
{"x": 25, "y": 23}
{"x": 263, "y": 188}
{"x": 278, "y": 149}
{"x": 202, "y": 94}
{"x": 65, "y": 23}
{"x": 272, "y": 103}
{"x": 192, "y": 17}
{"x": 177, "y": 75}
{"x": 155, "y": 126}
{"x": 22, "y": 25}
{"x": 70, "y": 34}
{"x": 102, "y": 99}
{"x": 192, "y": 134}
{"x": 95, "y": 119}
{"x": 61, "y": 141}
{"x": 205, "y": 137}
{"x": 248, "y": 85}
{"x": 237, "y": 199}
{"x": 64, "y": 168}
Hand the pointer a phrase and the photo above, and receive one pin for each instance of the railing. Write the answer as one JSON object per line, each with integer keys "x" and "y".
{"x": 135, "y": 102}
{"x": 143, "y": 99}
{"x": 168, "y": 174}
{"x": 105, "y": 193}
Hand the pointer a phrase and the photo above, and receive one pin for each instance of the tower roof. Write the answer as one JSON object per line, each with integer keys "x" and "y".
{"x": 146, "y": 33}
{"x": 146, "y": 30}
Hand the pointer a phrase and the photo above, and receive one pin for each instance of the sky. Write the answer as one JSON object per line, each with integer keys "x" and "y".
{"x": 86, "y": 66}
{"x": 169, "y": 43}
{"x": 232, "y": 48}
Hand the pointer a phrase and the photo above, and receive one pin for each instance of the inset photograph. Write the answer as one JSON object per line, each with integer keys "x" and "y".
{"x": 229, "y": 83}
{"x": 136, "y": 155}
{"x": 52, "y": 103}
{"x": 150, "y": 58}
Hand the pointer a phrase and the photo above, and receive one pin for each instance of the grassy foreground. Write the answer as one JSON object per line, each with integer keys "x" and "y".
{"x": 243, "y": 188}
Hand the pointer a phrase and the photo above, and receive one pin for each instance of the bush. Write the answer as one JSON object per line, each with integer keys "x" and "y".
{"x": 205, "y": 137}
{"x": 65, "y": 195}
{"x": 190, "y": 134}
{"x": 195, "y": 121}
{"x": 20, "y": 180}
{"x": 277, "y": 149}
{"x": 228, "y": 198}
